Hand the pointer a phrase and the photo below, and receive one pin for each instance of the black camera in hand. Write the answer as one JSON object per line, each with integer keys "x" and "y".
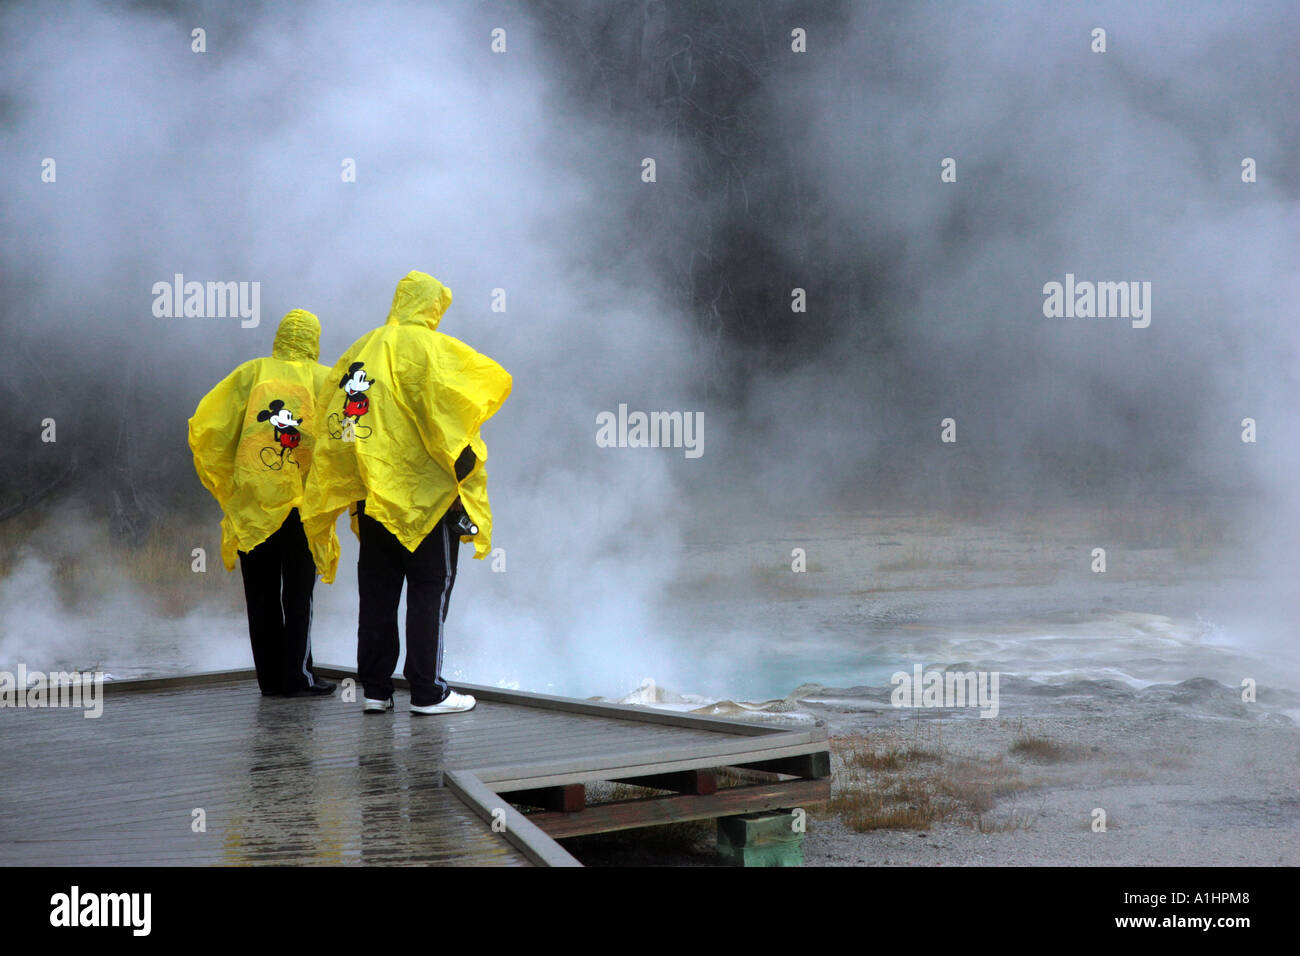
{"x": 465, "y": 526}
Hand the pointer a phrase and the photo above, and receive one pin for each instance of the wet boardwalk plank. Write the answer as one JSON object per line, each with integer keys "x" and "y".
{"x": 280, "y": 781}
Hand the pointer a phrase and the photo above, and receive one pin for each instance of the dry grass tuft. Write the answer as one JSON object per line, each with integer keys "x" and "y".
{"x": 1044, "y": 749}
{"x": 911, "y": 788}
{"x": 891, "y": 758}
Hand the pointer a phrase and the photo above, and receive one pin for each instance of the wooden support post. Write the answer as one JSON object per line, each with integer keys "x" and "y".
{"x": 761, "y": 839}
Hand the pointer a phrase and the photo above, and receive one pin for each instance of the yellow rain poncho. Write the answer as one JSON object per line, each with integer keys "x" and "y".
{"x": 253, "y": 436}
{"x": 399, "y": 408}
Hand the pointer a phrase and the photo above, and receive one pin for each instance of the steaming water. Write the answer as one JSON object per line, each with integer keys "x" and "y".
{"x": 1138, "y": 650}
{"x": 761, "y": 662}
{"x": 745, "y": 637}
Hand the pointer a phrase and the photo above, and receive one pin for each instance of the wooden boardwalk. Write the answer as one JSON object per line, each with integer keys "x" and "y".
{"x": 314, "y": 781}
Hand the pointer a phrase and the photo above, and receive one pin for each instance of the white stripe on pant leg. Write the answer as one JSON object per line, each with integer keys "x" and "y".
{"x": 446, "y": 588}
{"x": 311, "y": 682}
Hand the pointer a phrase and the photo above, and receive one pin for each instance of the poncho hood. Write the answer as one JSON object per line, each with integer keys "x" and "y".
{"x": 298, "y": 337}
{"x": 420, "y": 299}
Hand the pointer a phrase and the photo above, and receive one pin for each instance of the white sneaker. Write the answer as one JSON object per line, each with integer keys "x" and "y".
{"x": 372, "y": 706}
{"x": 453, "y": 704}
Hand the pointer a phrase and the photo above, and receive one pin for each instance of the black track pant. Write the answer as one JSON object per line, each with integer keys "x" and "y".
{"x": 279, "y": 577}
{"x": 429, "y": 572}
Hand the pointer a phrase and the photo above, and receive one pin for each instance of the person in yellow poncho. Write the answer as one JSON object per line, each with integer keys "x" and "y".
{"x": 402, "y": 411}
{"x": 252, "y": 437}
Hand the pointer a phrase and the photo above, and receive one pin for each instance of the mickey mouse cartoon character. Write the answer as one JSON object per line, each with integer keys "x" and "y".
{"x": 285, "y": 430}
{"x": 355, "y": 404}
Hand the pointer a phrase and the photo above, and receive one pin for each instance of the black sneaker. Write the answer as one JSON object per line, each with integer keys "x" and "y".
{"x": 320, "y": 688}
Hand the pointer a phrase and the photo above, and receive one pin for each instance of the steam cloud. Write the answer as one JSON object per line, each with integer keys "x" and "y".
{"x": 519, "y": 172}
